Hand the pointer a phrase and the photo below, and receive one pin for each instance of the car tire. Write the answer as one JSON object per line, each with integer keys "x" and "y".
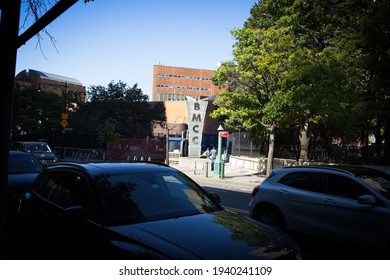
{"x": 271, "y": 216}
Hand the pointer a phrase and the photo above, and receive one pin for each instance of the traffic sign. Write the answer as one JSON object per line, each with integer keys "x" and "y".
{"x": 224, "y": 134}
{"x": 64, "y": 123}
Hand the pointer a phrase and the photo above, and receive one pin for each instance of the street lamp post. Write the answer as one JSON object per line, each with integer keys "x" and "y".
{"x": 167, "y": 147}
{"x": 218, "y": 168}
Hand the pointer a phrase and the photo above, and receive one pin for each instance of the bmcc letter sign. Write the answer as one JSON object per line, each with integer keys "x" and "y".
{"x": 196, "y": 115}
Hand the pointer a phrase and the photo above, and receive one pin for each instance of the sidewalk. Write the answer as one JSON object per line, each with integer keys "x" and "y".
{"x": 234, "y": 175}
{"x": 195, "y": 169}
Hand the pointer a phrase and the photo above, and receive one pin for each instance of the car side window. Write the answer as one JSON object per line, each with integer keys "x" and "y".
{"x": 309, "y": 181}
{"x": 68, "y": 189}
{"x": 345, "y": 187}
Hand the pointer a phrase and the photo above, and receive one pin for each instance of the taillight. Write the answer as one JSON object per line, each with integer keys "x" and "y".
{"x": 255, "y": 190}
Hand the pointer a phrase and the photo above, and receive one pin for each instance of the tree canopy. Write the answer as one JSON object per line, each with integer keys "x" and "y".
{"x": 115, "y": 111}
{"x": 298, "y": 64}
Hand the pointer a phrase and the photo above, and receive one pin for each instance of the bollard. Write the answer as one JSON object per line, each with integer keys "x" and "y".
{"x": 206, "y": 169}
{"x": 222, "y": 169}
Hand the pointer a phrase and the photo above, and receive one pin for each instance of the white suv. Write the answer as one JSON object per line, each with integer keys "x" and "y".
{"x": 348, "y": 204}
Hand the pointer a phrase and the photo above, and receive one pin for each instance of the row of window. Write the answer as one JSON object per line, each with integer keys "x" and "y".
{"x": 183, "y": 77}
{"x": 160, "y": 96}
{"x": 183, "y": 87}
{"x": 325, "y": 183}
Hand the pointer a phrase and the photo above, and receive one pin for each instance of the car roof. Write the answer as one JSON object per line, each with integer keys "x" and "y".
{"x": 355, "y": 170}
{"x": 30, "y": 142}
{"x": 19, "y": 153}
{"x": 96, "y": 168}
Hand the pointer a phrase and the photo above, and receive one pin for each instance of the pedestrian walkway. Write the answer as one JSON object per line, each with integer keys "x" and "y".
{"x": 195, "y": 168}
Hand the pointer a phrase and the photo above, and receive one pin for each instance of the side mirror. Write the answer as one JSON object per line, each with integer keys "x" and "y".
{"x": 367, "y": 199}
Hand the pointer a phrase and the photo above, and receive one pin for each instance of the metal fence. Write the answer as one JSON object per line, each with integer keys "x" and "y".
{"x": 79, "y": 154}
{"x": 240, "y": 144}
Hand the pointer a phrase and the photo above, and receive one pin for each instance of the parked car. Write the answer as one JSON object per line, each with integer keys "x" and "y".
{"x": 347, "y": 204}
{"x": 23, "y": 168}
{"x": 136, "y": 210}
{"x": 41, "y": 150}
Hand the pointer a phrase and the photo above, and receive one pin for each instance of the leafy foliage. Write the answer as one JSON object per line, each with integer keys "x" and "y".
{"x": 303, "y": 63}
{"x": 109, "y": 113}
{"x": 116, "y": 111}
{"x": 36, "y": 113}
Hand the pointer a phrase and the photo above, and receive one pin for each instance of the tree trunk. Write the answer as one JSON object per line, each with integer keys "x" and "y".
{"x": 304, "y": 141}
{"x": 9, "y": 26}
{"x": 271, "y": 148}
{"x": 378, "y": 138}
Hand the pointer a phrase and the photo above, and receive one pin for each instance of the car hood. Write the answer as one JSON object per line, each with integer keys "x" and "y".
{"x": 18, "y": 183}
{"x": 44, "y": 155}
{"x": 21, "y": 180}
{"x": 217, "y": 235}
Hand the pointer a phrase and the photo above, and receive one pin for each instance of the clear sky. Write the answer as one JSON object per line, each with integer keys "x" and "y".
{"x": 121, "y": 40}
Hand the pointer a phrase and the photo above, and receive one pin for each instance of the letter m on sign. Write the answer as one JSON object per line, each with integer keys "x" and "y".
{"x": 196, "y": 118}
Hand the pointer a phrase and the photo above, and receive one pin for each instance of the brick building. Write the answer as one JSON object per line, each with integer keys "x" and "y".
{"x": 175, "y": 83}
{"x": 188, "y": 95}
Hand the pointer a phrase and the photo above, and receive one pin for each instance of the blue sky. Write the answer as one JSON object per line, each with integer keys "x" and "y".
{"x": 121, "y": 40}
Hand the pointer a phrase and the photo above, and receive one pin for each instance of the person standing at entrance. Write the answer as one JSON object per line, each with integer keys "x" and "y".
{"x": 213, "y": 157}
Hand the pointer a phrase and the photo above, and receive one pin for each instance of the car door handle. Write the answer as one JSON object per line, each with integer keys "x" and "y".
{"x": 283, "y": 192}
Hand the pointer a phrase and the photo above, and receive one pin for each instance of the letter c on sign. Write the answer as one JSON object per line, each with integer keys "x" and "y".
{"x": 196, "y": 128}
{"x": 195, "y": 140}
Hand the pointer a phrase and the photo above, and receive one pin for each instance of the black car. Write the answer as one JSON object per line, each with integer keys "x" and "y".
{"x": 41, "y": 150}
{"x": 23, "y": 168}
{"x": 136, "y": 210}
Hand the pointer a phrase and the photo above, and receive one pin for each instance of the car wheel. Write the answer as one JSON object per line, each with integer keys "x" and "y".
{"x": 272, "y": 217}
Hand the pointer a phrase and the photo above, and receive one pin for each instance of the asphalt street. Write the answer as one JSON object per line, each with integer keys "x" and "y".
{"x": 235, "y": 189}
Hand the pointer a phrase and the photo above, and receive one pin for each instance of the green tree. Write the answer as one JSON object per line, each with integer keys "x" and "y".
{"x": 107, "y": 131}
{"x": 371, "y": 36}
{"x": 287, "y": 70}
{"x": 116, "y": 111}
{"x": 36, "y": 113}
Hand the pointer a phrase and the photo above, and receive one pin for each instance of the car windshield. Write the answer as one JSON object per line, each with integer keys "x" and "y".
{"x": 37, "y": 147}
{"x": 379, "y": 183}
{"x": 140, "y": 197}
{"x": 23, "y": 164}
